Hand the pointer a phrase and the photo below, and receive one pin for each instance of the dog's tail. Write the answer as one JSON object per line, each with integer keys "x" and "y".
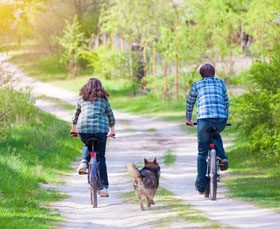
{"x": 133, "y": 171}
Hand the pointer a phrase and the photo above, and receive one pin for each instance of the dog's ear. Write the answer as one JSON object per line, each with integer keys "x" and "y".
{"x": 155, "y": 161}
{"x": 145, "y": 161}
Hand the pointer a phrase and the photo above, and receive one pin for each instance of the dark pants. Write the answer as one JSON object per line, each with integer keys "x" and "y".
{"x": 100, "y": 147}
{"x": 203, "y": 138}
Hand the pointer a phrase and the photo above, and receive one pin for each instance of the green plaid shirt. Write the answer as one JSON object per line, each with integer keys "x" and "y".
{"x": 93, "y": 116}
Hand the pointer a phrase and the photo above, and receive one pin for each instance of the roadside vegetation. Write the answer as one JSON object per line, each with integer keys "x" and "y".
{"x": 169, "y": 157}
{"x": 255, "y": 158}
{"x": 34, "y": 148}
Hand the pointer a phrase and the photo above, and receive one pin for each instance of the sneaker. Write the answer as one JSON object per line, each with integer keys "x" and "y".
{"x": 104, "y": 192}
{"x": 200, "y": 192}
{"x": 82, "y": 167}
{"x": 224, "y": 165}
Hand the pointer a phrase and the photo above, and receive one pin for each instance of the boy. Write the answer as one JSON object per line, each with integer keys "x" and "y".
{"x": 210, "y": 94}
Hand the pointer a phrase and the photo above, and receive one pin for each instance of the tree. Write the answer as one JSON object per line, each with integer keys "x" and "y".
{"x": 73, "y": 44}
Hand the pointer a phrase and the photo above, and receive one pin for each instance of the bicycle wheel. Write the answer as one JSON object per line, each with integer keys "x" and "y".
{"x": 213, "y": 175}
{"x": 88, "y": 173}
{"x": 93, "y": 191}
{"x": 93, "y": 194}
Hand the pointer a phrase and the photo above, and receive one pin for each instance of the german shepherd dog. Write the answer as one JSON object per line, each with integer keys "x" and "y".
{"x": 145, "y": 181}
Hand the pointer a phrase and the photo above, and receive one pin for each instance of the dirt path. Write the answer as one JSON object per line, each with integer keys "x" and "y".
{"x": 139, "y": 137}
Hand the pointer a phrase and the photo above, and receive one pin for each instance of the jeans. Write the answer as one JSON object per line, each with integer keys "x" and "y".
{"x": 203, "y": 138}
{"x": 100, "y": 147}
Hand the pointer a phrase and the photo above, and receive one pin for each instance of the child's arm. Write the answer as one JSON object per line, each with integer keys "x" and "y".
{"x": 111, "y": 119}
{"x": 190, "y": 104}
{"x": 75, "y": 118}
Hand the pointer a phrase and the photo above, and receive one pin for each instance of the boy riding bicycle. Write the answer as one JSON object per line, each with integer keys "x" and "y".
{"x": 210, "y": 96}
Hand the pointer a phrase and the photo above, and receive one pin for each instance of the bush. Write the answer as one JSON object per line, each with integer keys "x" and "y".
{"x": 14, "y": 106}
{"x": 107, "y": 62}
{"x": 257, "y": 112}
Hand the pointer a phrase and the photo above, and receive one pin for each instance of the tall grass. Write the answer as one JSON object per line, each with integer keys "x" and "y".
{"x": 34, "y": 147}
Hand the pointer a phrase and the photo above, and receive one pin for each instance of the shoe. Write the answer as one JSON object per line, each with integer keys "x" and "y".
{"x": 200, "y": 192}
{"x": 82, "y": 167}
{"x": 224, "y": 165}
{"x": 104, "y": 192}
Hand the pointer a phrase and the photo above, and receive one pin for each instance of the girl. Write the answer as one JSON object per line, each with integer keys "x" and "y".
{"x": 93, "y": 117}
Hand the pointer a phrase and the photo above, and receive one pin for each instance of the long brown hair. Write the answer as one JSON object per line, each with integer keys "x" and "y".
{"x": 93, "y": 90}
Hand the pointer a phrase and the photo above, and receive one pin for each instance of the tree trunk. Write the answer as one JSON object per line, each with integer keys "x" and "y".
{"x": 122, "y": 44}
{"x": 145, "y": 60}
{"x": 177, "y": 78}
{"x": 165, "y": 73}
{"x": 154, "y": 62}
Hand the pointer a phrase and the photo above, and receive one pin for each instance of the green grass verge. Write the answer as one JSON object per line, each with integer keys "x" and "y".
{"x": 169, "y": 157}
{"x": 252, "y": 180}
{"x": 167, "y": 202}
{"x": 32, "y": 153}
{"x": 41, "y": 66}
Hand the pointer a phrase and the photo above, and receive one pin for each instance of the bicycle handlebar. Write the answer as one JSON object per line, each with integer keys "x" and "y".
{"x": 195, "y": 124}
{"x": 74, "y": 134}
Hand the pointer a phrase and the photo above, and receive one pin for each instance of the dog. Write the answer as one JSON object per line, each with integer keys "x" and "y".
{"x": 145, "y": 181}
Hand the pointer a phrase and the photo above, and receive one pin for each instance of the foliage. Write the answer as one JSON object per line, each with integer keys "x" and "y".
{"x": 257, "y": 112}
{"x": 161, "y": 87}
{"x": 108, "y": 63}
{"x": 73, "y": 44}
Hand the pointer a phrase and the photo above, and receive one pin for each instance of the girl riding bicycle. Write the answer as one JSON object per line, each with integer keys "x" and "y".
{"x": 94, "y": 118}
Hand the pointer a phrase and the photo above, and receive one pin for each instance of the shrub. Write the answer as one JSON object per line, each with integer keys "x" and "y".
{"x": 14, "y": 106}
{"x": 257, "y": 112}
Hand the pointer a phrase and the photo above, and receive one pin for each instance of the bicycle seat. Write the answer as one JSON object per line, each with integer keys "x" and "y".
{"x": 91, "y": 141}
{"x": 213, "y": 130}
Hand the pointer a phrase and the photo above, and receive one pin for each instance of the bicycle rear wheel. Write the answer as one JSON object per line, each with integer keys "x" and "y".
{"x": 213, "y": 176}
{"x": 93, "y": 191}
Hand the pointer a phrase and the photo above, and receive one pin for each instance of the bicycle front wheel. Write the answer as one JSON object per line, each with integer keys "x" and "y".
{"x": 213, "y": 176}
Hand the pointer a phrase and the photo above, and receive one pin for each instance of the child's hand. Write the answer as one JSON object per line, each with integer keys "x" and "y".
{"x": 189, "y": 123}
{"x": 112, "y": 133}
{"x": 74, "y": 132}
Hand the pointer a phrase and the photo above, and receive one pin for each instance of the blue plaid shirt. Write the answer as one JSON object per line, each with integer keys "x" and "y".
{"x": 211, "y": 96}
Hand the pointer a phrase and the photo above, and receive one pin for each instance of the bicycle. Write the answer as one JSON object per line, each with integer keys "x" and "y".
{"x": 93, "y": 173}
{"x": 213, "y": 165}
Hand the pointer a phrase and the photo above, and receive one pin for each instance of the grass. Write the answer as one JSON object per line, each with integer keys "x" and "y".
{"x": 169, "y": 157}
{"x": 252, "y": 180}
{"x": 167, "y": 201}
{"x": 31, "y": 153}
{"x": 41, "y": 66}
